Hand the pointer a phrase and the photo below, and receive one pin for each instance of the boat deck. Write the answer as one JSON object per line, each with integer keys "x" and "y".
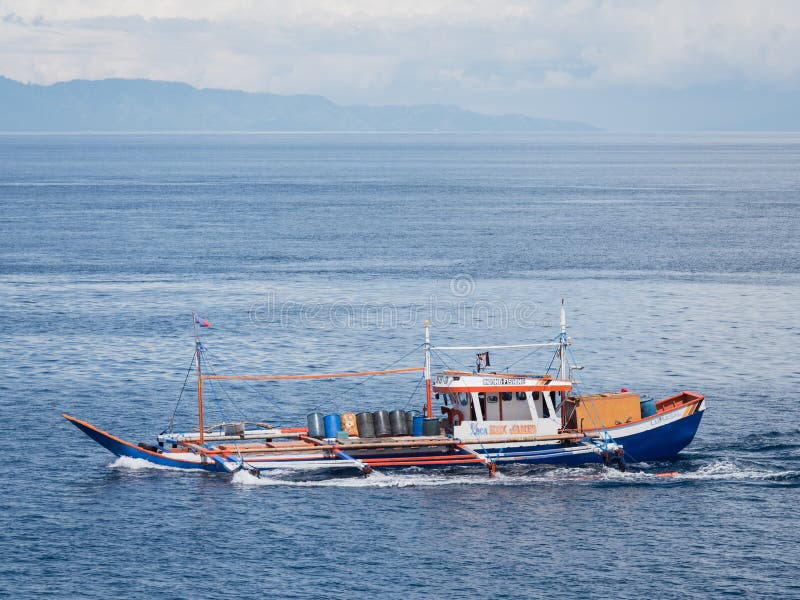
{"x": 309, "y": 443}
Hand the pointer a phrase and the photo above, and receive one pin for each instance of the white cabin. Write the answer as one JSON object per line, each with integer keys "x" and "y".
{"x": 487, "y": 406}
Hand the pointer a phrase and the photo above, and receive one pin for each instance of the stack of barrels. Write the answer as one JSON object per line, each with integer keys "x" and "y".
{"x": 378, "y": 424}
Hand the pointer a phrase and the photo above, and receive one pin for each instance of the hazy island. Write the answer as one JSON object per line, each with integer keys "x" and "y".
{"x": 146, "y": 105}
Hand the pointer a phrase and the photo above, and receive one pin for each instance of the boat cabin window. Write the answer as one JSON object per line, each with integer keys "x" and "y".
{"x": 462, "y": 399}
{"x": 493, "y": 408}
{"x": 514, "y": 411}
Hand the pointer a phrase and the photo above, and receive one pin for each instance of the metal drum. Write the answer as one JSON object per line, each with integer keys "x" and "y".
{"x": 333, "y": 425}
{"x": 430, "y": 427}
{"x": 365, "y": 427}
{"x": 410, "y": 422}
{"x": 383, "y": 426}
{"x": 316, "y": 425}
{"x": 397, "y": 420}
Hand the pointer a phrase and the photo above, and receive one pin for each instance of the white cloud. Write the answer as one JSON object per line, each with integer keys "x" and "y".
{"x": 420, "y": 51}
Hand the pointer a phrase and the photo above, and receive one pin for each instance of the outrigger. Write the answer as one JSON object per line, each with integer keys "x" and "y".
{"x": 485, "y": 418}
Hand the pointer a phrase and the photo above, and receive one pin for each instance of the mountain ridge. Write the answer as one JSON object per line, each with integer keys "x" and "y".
{"x": 153, "y": 105}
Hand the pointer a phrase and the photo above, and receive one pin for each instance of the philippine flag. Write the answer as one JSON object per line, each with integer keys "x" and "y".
{"x": 201, "y": 321}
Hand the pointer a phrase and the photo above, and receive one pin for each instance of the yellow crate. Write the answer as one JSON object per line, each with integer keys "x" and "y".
{"x": 602, "y": 410}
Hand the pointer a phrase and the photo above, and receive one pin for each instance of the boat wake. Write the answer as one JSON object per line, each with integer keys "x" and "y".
{"x": 139, "y": 464}
{"x": 398, "y": 479}
{"x": 728, "y": 470}
{"x": 647, "y": 474}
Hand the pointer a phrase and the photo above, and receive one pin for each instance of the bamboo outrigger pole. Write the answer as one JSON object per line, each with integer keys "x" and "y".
{"x": 312, "y": 376}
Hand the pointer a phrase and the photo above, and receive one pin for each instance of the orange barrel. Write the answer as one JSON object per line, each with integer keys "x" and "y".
{"x": 349, "y": 424}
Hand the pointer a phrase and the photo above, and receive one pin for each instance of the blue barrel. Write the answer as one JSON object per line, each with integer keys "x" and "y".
{"x": 333, "y": 425}
{"x": 416, "y": 429}
{"x": 648, "y": 408}
{"x": 316, "y": 425}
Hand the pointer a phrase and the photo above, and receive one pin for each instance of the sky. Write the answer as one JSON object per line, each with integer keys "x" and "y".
{"x": 623, "y": 65}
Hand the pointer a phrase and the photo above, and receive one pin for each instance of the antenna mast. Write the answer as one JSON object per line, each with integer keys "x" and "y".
{"x": 199, "y": 381}
{"x": 562, "y": 342}
{"x": 429, "y": 406}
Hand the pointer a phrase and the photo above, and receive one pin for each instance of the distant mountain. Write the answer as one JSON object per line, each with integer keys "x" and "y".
{"x": 144, "y": 105}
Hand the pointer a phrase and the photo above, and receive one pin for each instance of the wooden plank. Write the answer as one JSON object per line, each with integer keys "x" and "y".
{"x": 315, "y": 441}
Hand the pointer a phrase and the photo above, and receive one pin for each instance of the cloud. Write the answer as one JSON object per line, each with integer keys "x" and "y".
{"x": 488, "y": 53}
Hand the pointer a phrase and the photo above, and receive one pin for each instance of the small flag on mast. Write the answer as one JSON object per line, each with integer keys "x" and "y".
{"x": 201, "y": 321}
{"x": 482, "y": 361}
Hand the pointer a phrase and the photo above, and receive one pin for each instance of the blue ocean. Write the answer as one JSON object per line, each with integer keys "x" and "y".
{"x": 678, "y": 259}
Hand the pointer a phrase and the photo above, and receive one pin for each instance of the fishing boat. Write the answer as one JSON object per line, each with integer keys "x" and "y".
{"x": 483, "y": 418}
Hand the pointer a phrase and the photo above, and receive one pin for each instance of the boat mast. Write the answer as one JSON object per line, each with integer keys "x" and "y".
{"x": 428, "y": 369}
{"x": 562, "y": 341}
{"x": 199, "y": 381}
{"x": 562, "y": 351}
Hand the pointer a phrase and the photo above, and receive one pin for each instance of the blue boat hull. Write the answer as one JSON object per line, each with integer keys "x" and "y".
{"x": 659, "y": 443}
{"x": 662, "y": 442}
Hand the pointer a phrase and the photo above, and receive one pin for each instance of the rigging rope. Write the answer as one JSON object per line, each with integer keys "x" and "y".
{"x": 607, "y": 437}
{"x": 211, "y": 368}
{"x": 171, "y": 428}
{"x": 414, "y": 391}
{"x": 247, "y": 379}
{"x": 529, "y": 354}
{"x": 440, "y": 354}
{"x": 256, "y": 391}
{"x": 357, "y": 383}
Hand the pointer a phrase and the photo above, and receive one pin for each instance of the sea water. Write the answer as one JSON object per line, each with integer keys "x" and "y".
{"x": 677, "y": 256}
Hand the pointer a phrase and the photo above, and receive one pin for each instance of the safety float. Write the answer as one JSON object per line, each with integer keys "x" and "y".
{"x": 484, "y": 418}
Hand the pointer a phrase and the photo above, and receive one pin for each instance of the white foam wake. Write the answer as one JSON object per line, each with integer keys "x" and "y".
{"x": 138, "y": 464}
{"x": 730, "y": 471}
{"x": 374, "y": 480}
{"x": 718, "y": 470}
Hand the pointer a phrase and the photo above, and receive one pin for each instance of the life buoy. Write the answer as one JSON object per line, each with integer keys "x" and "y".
{"x": 455, "y": 417}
